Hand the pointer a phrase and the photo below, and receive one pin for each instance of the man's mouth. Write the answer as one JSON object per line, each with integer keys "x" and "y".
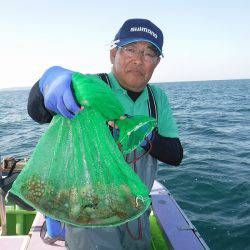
{"x": 136, "y": 71}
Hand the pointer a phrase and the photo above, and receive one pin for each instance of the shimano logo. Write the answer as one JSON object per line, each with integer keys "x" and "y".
{"x": 143, "y": 30}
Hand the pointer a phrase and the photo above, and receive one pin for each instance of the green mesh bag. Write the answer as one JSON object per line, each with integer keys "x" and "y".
{"x": 133, "y": 131}
{"x": 77, "y": 174}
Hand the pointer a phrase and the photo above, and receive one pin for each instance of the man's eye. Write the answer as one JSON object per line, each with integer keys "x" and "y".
{"x": 149, "y": 54}
{"x": 132, "y": 50}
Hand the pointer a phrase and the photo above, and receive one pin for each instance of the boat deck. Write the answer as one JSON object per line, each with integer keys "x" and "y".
{"x": 14, "y": 242}
{"x": 32, "y": 241}
{"x": 36, "y": 241}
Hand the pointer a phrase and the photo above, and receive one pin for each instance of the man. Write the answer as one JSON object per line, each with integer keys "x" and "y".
{"x": 135, "y": 54}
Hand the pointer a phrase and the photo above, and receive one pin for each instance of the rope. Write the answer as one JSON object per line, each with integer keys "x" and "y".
{"x": 139, "y": 237}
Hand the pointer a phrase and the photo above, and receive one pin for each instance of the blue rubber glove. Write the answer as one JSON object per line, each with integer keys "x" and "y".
{"x": 149, "y": 137}
{"x": 58, "y": 97}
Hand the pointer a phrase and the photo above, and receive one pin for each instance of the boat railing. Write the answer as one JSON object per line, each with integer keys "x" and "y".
{"x": 6, "y": 165}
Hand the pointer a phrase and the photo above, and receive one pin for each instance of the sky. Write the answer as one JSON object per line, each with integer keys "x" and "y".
{"x": 203, "y": 40}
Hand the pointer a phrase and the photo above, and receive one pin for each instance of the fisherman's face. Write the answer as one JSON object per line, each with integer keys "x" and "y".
{"x": 134, "y": 64}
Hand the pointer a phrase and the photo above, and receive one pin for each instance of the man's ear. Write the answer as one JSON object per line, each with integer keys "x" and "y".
{"x": 112, "y": 55}
{"x": 158, "y": 61}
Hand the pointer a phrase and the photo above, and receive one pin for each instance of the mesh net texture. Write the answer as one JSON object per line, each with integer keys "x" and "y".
{"x": 77, "y": 174}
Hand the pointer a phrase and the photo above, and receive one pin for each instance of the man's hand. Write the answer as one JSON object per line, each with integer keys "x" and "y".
{"x": 112, "y": 123}
{"x": 55, "y": 85}
{"x": 147, "y": 139}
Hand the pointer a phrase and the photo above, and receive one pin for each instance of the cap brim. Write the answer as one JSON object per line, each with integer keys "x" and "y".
{"x": 132, "y": 40}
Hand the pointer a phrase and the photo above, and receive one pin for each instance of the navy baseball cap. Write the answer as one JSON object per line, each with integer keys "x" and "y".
{"x": 136, "y": 30}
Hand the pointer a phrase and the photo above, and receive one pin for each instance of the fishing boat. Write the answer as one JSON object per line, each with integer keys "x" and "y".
{"x": 170, "y": 227}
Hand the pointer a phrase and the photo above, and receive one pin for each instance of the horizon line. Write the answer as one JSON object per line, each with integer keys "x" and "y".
{"x": 169, "y": 82}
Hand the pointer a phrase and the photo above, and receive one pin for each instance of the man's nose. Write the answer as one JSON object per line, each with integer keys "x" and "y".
{"x": 138, "y": 57}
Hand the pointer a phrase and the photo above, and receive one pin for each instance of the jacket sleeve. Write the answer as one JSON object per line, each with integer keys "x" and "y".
{"x": 166, "y": 149}
{"x": 36, "y": 108}
{"x": 166, "y": 146}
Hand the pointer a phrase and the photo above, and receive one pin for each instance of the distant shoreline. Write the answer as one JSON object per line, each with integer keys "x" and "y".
{"x": 196, "y": 81}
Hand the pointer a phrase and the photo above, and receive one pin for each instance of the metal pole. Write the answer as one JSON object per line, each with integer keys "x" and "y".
{"x": 3, "y": 215}
{"x": 2, "y": 207}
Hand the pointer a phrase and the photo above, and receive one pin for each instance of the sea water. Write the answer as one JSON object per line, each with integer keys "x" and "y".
{"x": 212, "y": 184}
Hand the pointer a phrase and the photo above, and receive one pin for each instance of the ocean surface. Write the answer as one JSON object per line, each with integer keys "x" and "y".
{"x": 212, "y": 185}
